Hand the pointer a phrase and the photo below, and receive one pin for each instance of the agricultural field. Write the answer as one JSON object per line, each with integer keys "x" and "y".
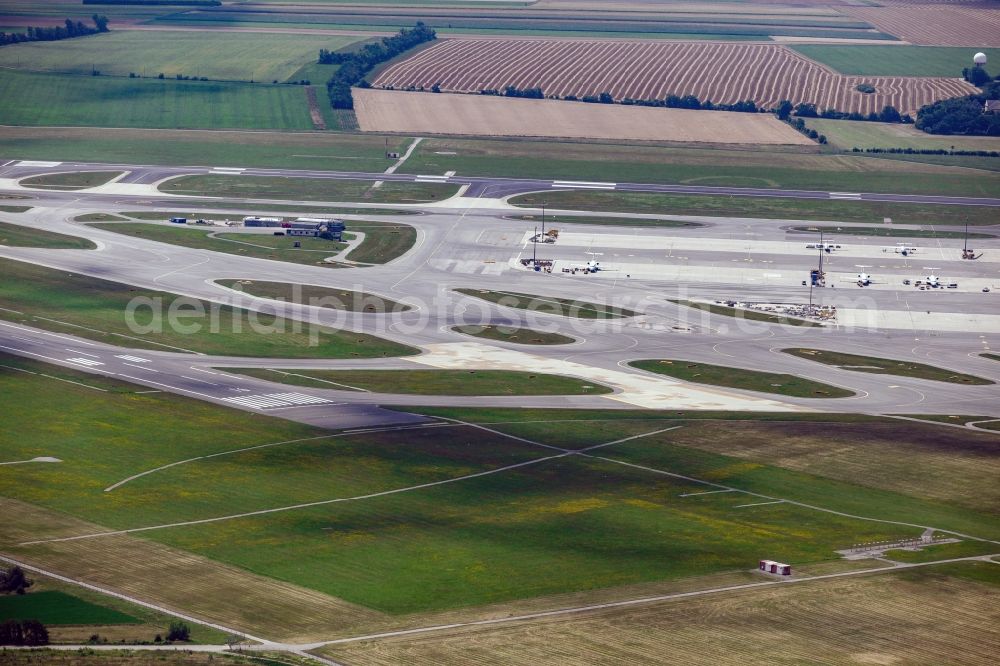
{"x": 151, "y": 103}
{"x": 876, "y": 60}
{"x": 224, "y": 56}
{"x": 97, "y": 309}
{"x": 54, "y": 607}
{"x": 479, "y": 115}
{"x": 941, "y": 614}
{"x": 306, "y": 189}
{"x": 951, "y": 24}
{"x": 847, "y": 134}
{"x": 763, "y": 73}
{"x": 649, "y": 20}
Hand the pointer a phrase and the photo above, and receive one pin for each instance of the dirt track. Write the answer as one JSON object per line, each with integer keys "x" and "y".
{"x": 429, "y": 113}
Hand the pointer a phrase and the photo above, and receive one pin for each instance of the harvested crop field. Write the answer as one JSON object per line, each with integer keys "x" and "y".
{"x": 425, "y": 113}
{"x": 721, "y": 72}
{"x": 936, "y": 25}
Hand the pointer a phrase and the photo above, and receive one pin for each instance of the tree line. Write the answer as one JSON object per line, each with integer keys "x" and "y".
{"x": 964, "y": 115}
{"x": 54, "y": 33}
{"x": 355, "y": 65}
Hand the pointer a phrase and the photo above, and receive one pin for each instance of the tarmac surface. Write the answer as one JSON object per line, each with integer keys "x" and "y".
{"x": 472, "y": 242}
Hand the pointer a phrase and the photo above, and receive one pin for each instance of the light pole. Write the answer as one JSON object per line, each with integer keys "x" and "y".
{"x": 534, "y": 249}
{"x": 543, "y": 219}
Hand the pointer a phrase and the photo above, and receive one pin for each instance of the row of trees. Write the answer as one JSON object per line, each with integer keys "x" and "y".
{"x": 23, "y": 632}
{"x": 888, "y": 114}
{"x": 928, "y": 151}
{"x": 354, "y": 65}
{"x": 51, "y": 34}
{"x": 964, "y": 115}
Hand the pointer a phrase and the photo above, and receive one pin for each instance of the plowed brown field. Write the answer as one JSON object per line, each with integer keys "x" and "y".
{"x": 482, "y": 115}
{"x": 936, "y": 25}
{"x": 721, "y": 72}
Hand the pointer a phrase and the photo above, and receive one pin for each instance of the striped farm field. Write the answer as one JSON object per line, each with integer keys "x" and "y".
{"x": 721, "y": 72}
{"x": 936, "y": 24}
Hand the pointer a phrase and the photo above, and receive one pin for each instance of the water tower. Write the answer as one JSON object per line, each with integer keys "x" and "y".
{"x": 979, "y": 59}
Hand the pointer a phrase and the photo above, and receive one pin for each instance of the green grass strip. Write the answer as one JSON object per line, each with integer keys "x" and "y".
{"x": 739, "y": 378}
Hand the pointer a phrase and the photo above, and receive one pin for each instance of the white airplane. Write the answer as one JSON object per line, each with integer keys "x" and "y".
{"x": 862, "y": 279}
{"x": 594, "y": 265}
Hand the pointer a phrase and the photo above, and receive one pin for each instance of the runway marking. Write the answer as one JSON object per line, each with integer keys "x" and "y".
{"x": 844, "y": 195}
{"x": 203, "y": 381}
{"x": 742, "y": 506}
{"x": 134, "y": 359}
{"x": 141, "y": 367}
{"x": 271, "y": 400}
{"x": 77, "y": 351}
{"x": 231, "y": 171}
{"x": 36, "y": 163}
{"x": 207, "y": 372}
{"x": 84, "y": 361}
{"x": 583, "y": 185}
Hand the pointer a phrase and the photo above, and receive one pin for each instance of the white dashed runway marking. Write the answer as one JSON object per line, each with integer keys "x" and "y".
{"x": 272, "y": 400}
{"x": 84, "y": 361}
{"x": 134, "y": 359}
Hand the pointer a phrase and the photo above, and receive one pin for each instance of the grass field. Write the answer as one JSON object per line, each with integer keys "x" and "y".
{"x": 886, "y": 366}
{"x": 894, "y": 60}
{"x": 298, "y": 150}
{"x": 225, "y": 56}
{"x": 521, "y": 336}
{"x": 849, "y": 134}
{"x": 750, "y": 380}
{"x": 760, "y": 207}
{"x": 327, "y": 297}
{"x": 150, "y": 103}
{"x": 77, "y": 180}
{"x": 59, "y": 608}
{"x": 384, "y": 241}
{"x": 738, "y": 313}
{"x": 15, "y": 209}
{"x": 15, "y": 235}
{"x": 780, "y": 168}
{"x": 97, "y": 309}
{"x": 549, "y": 526}
{"x": 306, "y": 189}
{"x": 277, "y": 248}
{"x": 940, "y": 614}
{"x": 432, "y": 382}
{"x": 546, "y": 304}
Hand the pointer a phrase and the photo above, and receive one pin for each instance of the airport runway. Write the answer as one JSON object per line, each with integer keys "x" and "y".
{"x": 487, "y": 187}
{"x": 644, "y": 268}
